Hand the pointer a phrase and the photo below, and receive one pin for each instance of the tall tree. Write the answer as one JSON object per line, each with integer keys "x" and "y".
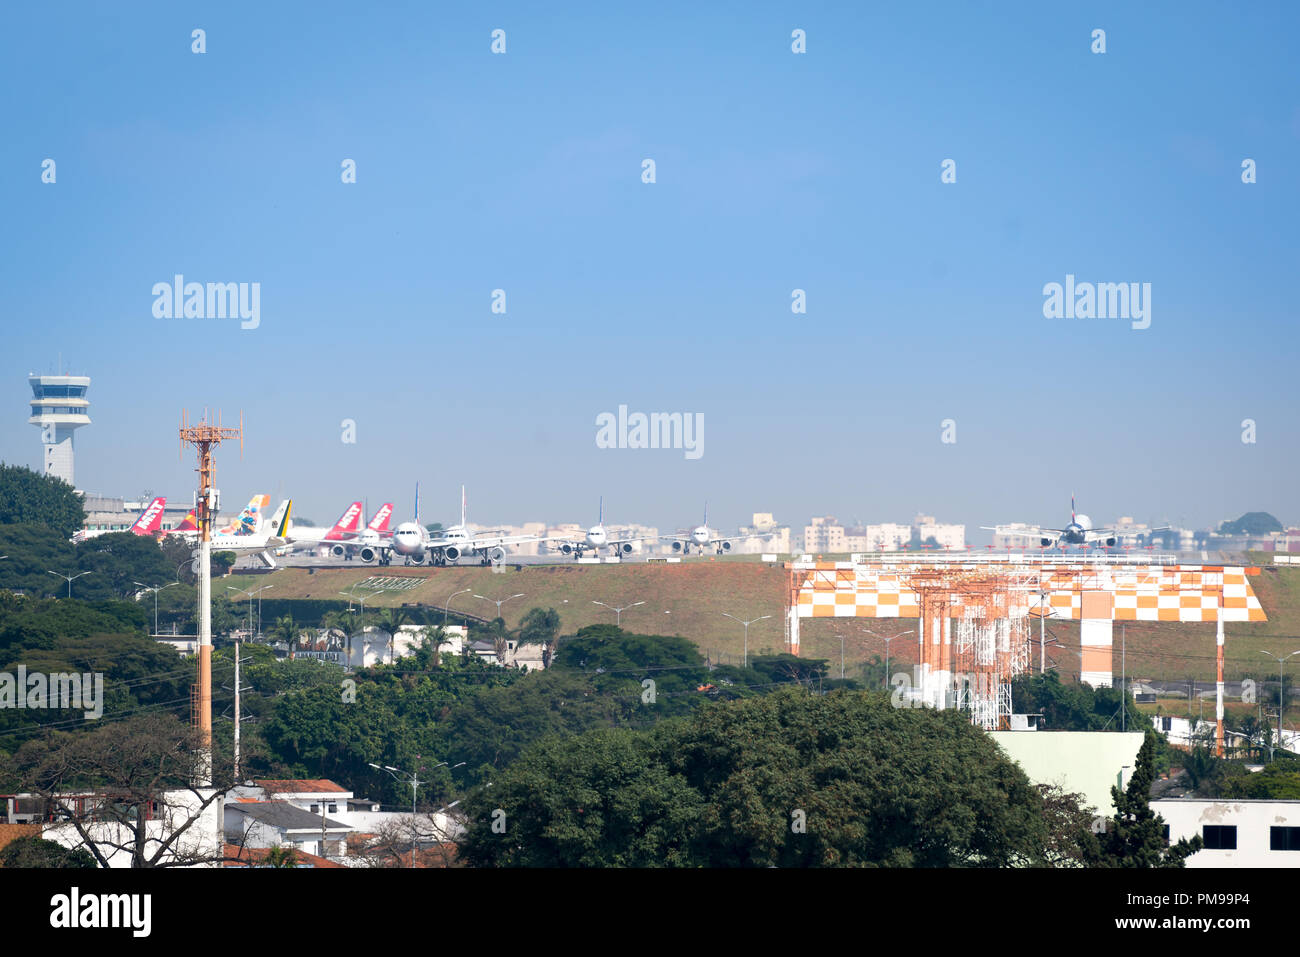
{"x": 1134, "y": 837}
{"x": 27, "y": 497}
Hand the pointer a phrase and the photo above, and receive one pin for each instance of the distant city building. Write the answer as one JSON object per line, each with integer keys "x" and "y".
{"x": 58, "y": 408}
{"x": 887, "y": 538}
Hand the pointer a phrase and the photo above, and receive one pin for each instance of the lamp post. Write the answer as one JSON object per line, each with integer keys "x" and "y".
{"x": 1281, "y": 689}
{"x": 887, "y": 640}
{"x": 414, "y": 780}
{"x": 156, "y": 589}
{"x": 745, "y": 660}
{"x": 500, "y": 601}
{"x": 69, "y": 580}
{"x": 618, "y": 612}
{"x": 447, "y": 606}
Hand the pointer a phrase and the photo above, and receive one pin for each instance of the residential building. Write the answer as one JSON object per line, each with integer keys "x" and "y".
{"x": 1237, "y": 833}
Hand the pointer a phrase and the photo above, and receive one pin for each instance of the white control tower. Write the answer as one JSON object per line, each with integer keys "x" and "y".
{"x": 59, "y": 408}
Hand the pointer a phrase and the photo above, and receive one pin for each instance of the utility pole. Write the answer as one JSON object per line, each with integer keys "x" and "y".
{"x": 1123, "y": 676}
{"x": 250, "y": 605}
{"x": 203, "y": 437}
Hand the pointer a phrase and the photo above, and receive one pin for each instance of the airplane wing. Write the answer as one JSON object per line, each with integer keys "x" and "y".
{"x": 485, "y": 541}
{"x": 1032, "y": 532}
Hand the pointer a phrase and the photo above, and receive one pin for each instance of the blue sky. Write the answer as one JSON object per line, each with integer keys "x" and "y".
{"x": 775, "y": 171}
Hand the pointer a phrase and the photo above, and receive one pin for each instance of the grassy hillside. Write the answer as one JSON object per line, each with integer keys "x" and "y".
{"x": 689, "y": 599}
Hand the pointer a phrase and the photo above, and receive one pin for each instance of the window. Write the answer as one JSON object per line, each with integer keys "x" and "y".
{"x": 1166, "y": 724}
{"x": 315, "y": 809}
{"x": 1165, "y": 831}
{"x": 1219, "y": 837}
{"x": 1284, "y": 838}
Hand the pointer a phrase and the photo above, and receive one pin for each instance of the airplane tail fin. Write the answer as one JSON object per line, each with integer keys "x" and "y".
{"x": 347, "y": 524}
{"x": 249, "y": 521}
{"x": 600, "y": 516}
{"x": 462, "y": 506}
{"x": 417, "y": 503}
{"x": 190, "y": 523}
{"x": 282, "y": 519}
{"x": 1072, "y": 510}
{"x": 150, "y": 519}
{"x": 380, "y": 522}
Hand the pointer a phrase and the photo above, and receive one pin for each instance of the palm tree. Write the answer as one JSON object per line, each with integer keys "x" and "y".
{"x": 541, "y": 626}
{"x": 285, "y": 630}
{"x": 348, "y": 625}
{"x": 434, "y": 638}
{"x": 392, "y": 621}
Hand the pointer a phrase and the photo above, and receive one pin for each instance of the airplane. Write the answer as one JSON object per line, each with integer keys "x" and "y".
{"x": 372, "y": 535}
{"x": 595, "y": 539}
{"x": 418, "y": 546}
{"x": 702, "y": 538}
{"x": 1080, "y": 531}
{"x": 247, "y": 522}
{"x": 261, "y": 543}
{"x": 149, "y": 522}
{"x": 345, "y": 528}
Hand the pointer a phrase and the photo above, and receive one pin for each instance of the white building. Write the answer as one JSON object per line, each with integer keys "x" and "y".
{"x": 887, "y": 538}
{"x": 174, "y": 809}
{"x": 1237, "y": 833}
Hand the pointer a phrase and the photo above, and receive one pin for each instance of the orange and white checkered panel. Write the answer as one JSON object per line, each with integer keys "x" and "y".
{"x": 1185, "y": 593}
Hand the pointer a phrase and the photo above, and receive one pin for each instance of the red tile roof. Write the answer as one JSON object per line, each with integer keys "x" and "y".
{"x": 250, "y": 856}
{"x": 303, "y": 786}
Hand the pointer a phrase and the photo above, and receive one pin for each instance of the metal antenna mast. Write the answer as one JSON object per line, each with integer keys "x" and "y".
{"x": 204, "y": 437}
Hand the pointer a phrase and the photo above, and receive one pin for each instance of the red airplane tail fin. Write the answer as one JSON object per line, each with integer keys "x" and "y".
{"x": 347, "y": 524}
{"x": 150, "y": 519}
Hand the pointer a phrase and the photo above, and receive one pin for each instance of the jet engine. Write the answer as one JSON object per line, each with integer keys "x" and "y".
{"x": 367, "y": 554}
{"x": 724, "y": 546}
{"x": 1046, "y": 542}
{"x": 566, "y": 549}
{"x": 496, "y": 555}
{"x": 338, "y": 551}
{"x": 677, "y": 546}
{"x": 625, "y": 548}
{"x": 451, "y": 553}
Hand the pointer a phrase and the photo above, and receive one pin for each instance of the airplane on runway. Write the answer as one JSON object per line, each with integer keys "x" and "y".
{"x": 418, "y": 546}
{"x": 372, "y": 535}
{"x": 1080, "y": 531}
{"x": 148, "y": 522}
{"x": 261, "y": 543}
{"x": 702, "y": 538}
{"x": 596, "y": 538}
{"x": 345, "y": 529}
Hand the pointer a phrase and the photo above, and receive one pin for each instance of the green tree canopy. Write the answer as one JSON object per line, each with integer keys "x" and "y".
{"x": 29, "y": 498}
{"x": 788, "y": 779}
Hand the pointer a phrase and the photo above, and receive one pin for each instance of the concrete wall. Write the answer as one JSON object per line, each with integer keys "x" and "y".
{"x": 1085, "y": 762}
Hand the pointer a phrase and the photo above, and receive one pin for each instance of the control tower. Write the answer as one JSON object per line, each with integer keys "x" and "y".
{"x": 59, "y": 408}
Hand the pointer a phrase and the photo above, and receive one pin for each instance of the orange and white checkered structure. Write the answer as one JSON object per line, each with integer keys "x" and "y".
{"x": 1095, "y": 594}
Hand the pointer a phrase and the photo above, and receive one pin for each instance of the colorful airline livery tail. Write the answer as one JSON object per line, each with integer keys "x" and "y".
{"x": 380, "y": 522}
{"x": 348, "y": 524}
{"x": 249, "y": 521}
{"x": 190, "y": 523}
{"x": 150, "y": 519}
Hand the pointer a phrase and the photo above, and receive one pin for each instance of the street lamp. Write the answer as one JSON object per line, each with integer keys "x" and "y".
{"x": 250, "y": 594}
{"x": 1281, "y": 688}
{"x": 156, "y": 589}
{"x": 415, "y": 782}
{"x": 501, "y": 601}
{"x": 448, "y": 604}
{"x": 746, "y": 624}
{"x": 618, "y": 612}
{"x": 887, "y": 641}
{"x": 67, "y": 579}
